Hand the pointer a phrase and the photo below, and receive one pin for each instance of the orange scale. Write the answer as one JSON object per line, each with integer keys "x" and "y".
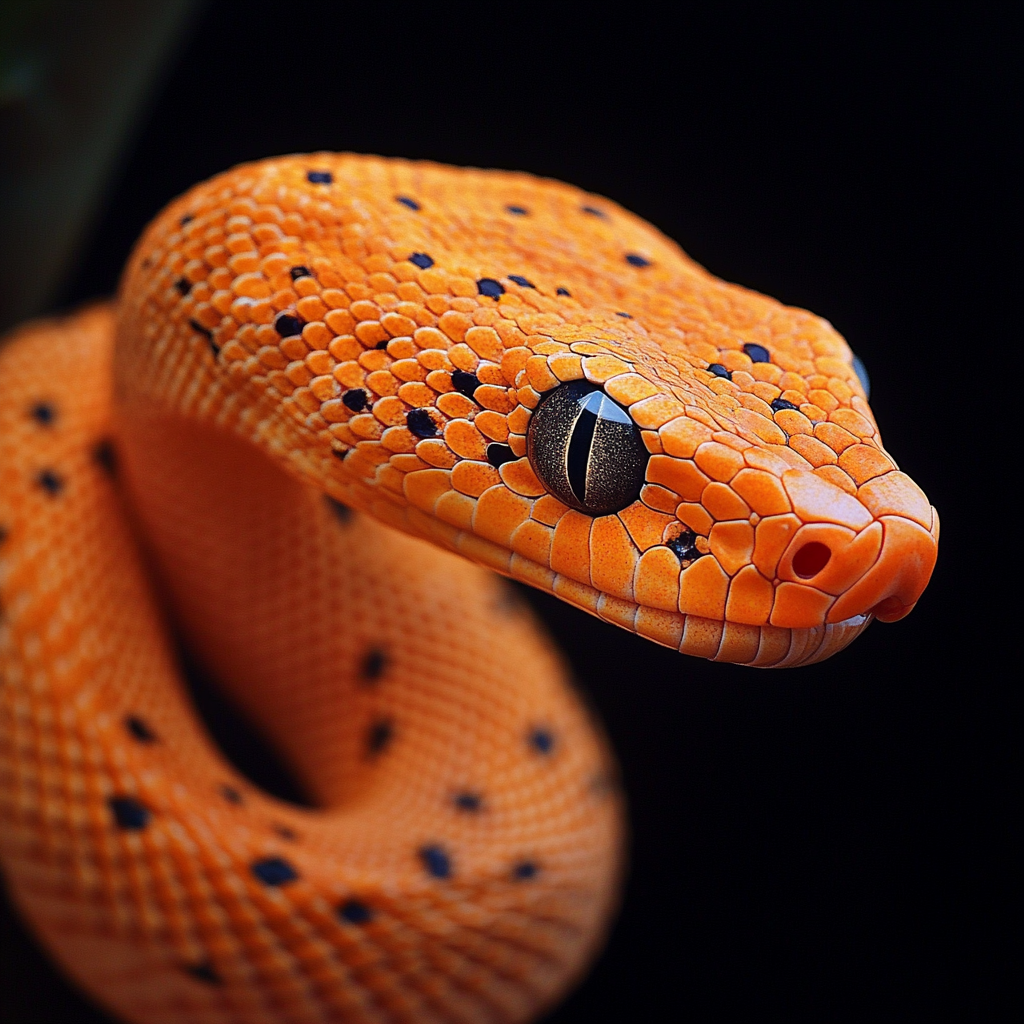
{"x": 816, "y": 453}
{"x": 835, "y": 436}
{"x": 493, "y": 424}
{"x": 613, "y": 557}
{"x": 659, "y": 498}
{"x": 834, "y": 475}
{"x": 540, "y": 377}
{"x": 494, "y": 398}
{"x": 577, "y": 593}
{"x": 816, "y": 500}
{"x": 771, "y": 538}
{"x": 793, "y": 422}
{"x": 402, "y": 348}
{"x": 722, "y": 502}
{"x": 695, "y": 517}
{"x": 417, "y": 395}
{"x": 391, "y": 479}
{"x": 399, "y": 439}
{"x": 517, "y": 443}
{"x": 548, "y": 509}
{"x": 406, "y": 463}
{"x": 485, "y": 552}
{"x": 528, "y": 397}
{"x": 732, "y": 544}
{"x": 750, "y": 598}
{"x": 473, "y": 478}
{"x": 653, "y": 413}
{"x": 703, "y": 589}
{"x": 761, "y": 426}
{"x": 466, "y": 440}
{"x": 601, "y": 368}
{"x": 390, "y": 411}
{"x": 397, "y": 325}
{"x": 344, "y": 348}
{"x": 533, "y": 573}
{"x": 436, "y": 453}
{"x": 311, "y": 308}
{"x": 570, "y": 550}
{"x": 701, "y": 637}
{"x": 619, "y": 612}
{"x": 718, "y": 461}
{"x": 455, "y": 509}
{"x": 455, "y": 405}
{"x": 813, "y": 412}
{"x": 896, "y": 494}
{"x": 566, "y": 366}
{"x": 533, "y": 540}
{"x": 320, "y": 362}
{"x": 762, "y": 491}
{"x": 663, "y": 627}
{"x": 645, "y": 527}
{"x": 730, "y": 440}
{"x": 774, "y": 646}
{"x": 863, "y": 462}
{"x": 799, "y": 607}
{"x": 380, "y": 382}
{"x": 373, "y": 360}
{"x": 853, "y": 422}
{"x": 656, "y": 581}
{"x": 520, "y": 477}
{"x": 739, "y": 644}
{"x": 683, "y": 436}
{"x": 628, "y": 388}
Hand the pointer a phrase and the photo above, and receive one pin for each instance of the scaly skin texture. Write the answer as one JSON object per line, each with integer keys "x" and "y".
{"x": 284, "y": 352}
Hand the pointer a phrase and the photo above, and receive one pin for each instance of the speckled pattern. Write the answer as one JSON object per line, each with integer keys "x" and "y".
{"x": 312, "y": 335}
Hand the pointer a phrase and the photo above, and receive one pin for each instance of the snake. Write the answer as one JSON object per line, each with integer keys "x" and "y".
{"x": 337, "y": 400}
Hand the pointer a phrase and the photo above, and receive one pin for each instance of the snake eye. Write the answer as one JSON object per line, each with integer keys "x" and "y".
{"x": 586, "y": 450}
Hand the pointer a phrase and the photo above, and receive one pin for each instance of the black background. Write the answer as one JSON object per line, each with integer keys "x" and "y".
{"x": 831, "y": 843}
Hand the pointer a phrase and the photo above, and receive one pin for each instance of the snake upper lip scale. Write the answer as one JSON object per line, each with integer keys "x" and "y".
{"x": 517, "y": 372}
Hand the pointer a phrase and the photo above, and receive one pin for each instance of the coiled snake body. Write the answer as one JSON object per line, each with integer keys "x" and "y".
{"x": 474, "y": 362}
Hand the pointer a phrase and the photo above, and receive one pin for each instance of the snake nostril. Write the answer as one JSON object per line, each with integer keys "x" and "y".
{"x": 811, "y": 559}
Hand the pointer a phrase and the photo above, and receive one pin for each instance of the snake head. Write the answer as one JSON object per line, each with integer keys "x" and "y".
{"x": 536, "y": 379}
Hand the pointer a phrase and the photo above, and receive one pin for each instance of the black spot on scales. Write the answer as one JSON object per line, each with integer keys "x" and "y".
{"x": 499, "y": 454}
{"x": 373, "y": 666}
{"x": 406, "y": 201}
{"x": 355, "y": 912}
{"x": 319, "y": 177}
{"x": 297, "y": 272}
{"x": 521, "y": 281}
{"x": 287, "y": 325}
{"x": 105, "y": 456}
{"x": 542, "y": 740}
{"x": 274, "y": 871}
{"x": 469, "y": 802}
{"x": 206, "y": 333}
{"x": 129, "y": 813}
{"x": 525, "y": 870}
{"x": 625, "y": 316}
{"x": 421, "y": 260}
{"x": 594, "y": 212}
{"x": 138, "y": 728}
{"x": 50, "y": 481}
{"x": 3, "y": 534}
{"x": 379, "y": 736}
{"x": 436, "y": 861}
{"x": 465, "y": 383}
{"x": 684, "y": 546}
{"x": 43, "y": 413}
{"x": 519, "y": 211}
{"x": 340, "y": 510}
{"x": 203, "y": 972}
{"x": 355, "y": 399}
{"x": 563, "y": 291}
{"x": 636, "y": 260}
{"x": 491, "y": 288}
{"x": 231, "y": 795}
{"x": 286, "y": 833}
{"x": 186, "y": 219}
{"x": 757, "y": 353}
{"x": 420, "y": 422}
{"x": 381, "y": 345}
{"x": 719, "y": 370}
{"x": 778, "y": 404}
{"x": 184, "y": 285}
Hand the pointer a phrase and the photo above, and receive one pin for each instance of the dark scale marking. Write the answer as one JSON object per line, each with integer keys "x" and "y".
{"x": 139, "y": 729}
{"x": 564, "y": 291}
{"x": 519, "y": 211}
{"x": 287, "y": 325}
{"x": 373, "y": 666}
{"x": 421, "y": 423}
{"x": 297, "y": 272}
{"x": 379, "y": 736}
{"x": 465, "y": 383}
{"x": 625, "y": 316}
{"x": 355, "y": 912}
{"x": 50, "y": 482}
{"x": 319, "y": 177}
{"x": 594, "y": 212}
{"x": 542, "y": 740}
{"x": 778, "y": 404}
{"x": 757, "y": 353}
{"x": 274, "y": 871}
{"x": 525, "y": 870}
{"x": 203, "y": 972}
{"x": 684, "y": 547}
{"x": 469, "y": 802}
{"x": 341, "y": 511}
{"x": 129, "y": 813}
{"x": 489, "y": 287}
{"x": 521, "y": 281}
{"x": 186, "y": 219}
{"x": 499, "y": 454}
{"x": 43, "y": 413}
{"x": 207, "y": 334}
{"x": 436, "y": 861}
{"x": 286, "y": 833}
{"x": 231, "y": 795}
{"x": 382, "y": 345}
{"x": 105, "y": 456}
{"x": 340, "y": 453}
{"x": 421, "y": 260}
{"x": 3, "y": 534}
{"x": 406, "y": 201}
{"x": 184, "y": 285}
{"x": 635, "y": 260}
{"x": 719, "y": 371}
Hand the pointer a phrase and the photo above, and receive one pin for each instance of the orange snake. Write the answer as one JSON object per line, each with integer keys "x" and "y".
{"x": 504, "y": 367}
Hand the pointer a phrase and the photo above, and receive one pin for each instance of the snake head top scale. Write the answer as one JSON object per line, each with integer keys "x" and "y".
{"x": 531, "y": 376}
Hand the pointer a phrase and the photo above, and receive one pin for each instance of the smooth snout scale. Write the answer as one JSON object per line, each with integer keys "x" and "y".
{"x": 335, "y": 396}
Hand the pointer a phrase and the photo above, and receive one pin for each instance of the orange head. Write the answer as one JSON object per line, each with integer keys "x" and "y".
{"x": 535, "y": 378}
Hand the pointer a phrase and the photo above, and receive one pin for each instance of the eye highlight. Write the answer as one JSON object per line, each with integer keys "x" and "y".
{"x": 586, "y": 449}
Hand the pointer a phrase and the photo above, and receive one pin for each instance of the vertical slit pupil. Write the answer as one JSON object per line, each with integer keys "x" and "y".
{"x": 577, "y": 457}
